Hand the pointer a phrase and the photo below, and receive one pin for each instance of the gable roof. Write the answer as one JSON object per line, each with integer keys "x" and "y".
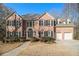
{"x": 47, "y": 15}
{"x": 11, "y": 15}
{"x": 30, "y": 16}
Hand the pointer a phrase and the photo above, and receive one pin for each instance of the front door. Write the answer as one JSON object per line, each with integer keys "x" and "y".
{"x": 30, "y": 33}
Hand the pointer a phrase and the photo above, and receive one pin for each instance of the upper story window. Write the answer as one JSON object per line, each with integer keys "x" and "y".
{"x": 14, "y": 23}
{"x": 52, "y": 23}
{"x": 41, "y": 22}
{"x": 30, "y": 23}
{"x": 9, "y": 23}
{"x": 47, "y": 22}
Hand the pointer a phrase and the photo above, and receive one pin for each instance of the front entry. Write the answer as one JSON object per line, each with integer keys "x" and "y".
{"x": 30, "y": 33}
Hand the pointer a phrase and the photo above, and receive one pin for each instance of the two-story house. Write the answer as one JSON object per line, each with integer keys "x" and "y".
{"x": 45, "y": 25}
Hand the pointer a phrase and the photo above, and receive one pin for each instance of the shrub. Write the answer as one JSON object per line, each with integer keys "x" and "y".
{"x": 34, "y": 39}
{"x": 48, "y": 39}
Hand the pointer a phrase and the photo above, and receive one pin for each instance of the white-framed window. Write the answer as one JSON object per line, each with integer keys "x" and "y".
{"x": 52, "y": 33}
{"x": 41, "y": 23}
{"x": 52, "y": 23}
{"x": 45, "y": 33}
{"x": 30, "y": 23}
{"x": 10, "y": 34}
{"x": 48, "y": 33}
{"x": 19, "y": 34}
{"x": 46, "y": 22}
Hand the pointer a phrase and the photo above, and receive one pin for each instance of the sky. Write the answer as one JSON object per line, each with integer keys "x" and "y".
{"x": 39, "y": 8}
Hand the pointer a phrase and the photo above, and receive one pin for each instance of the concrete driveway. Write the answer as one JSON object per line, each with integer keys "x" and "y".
{"x": 71, "y": 44}
{"x": 74, "y": 44}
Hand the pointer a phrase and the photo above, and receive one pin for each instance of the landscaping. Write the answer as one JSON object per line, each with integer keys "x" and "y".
{"x": 43, "y": 39}
{"x": 5, "y": 47}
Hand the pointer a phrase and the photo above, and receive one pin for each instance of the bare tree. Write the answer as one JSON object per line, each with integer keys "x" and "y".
{"x": 71, "y": 11}
{"x": 4, "y": 11}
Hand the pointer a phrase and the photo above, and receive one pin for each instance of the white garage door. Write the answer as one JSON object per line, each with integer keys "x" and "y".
{"x": 59, "y": 36}
{"x": 68, "y": 36}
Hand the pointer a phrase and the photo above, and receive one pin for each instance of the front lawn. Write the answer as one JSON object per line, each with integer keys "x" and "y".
{"x": 5, "y": 47}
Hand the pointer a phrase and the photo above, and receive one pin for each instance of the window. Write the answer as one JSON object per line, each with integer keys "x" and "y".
{"x": 30, "y": 23}
{"x": 16, "y": 33}
{"x": 10, "y": 23}
{"x": 52, "y": 23}
{"x": 41, "y": 23}
{"x": 46, "y": 22}
{"x": 10, "y": 34}
{"x": 7, "y": 22}
{"x": 46, "y": 34}
{"x": 27, "y": 24}
{"x": 13, "y": 23}
{"x": 51, "y": 33}
{"x": 17, "y": 23}
{"x": 19, "y": 34}
{"x": 40, "y": 33}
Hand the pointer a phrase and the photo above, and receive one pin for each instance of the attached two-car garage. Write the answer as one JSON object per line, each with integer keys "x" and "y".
{"x": 64, "y": 33}
{"x": 64, "y": 36}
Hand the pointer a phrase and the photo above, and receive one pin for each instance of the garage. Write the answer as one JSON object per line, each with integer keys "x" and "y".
{"x": 64, "y": 36}
{"x": 68, "y": 36}
{"x": 59, "y": 36}
{"x": 64, "y": 31}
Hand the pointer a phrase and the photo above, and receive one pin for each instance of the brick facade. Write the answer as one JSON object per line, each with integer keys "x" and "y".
{"x": 45, "y": 25}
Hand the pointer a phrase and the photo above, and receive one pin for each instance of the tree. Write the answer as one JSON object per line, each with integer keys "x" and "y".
{"x": 71, "y": 11}
{"x": 4, "y": 11}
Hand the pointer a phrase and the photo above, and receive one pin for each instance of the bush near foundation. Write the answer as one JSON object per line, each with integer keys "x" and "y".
{"x": 34, "y": 39}
{"x": 48, "y": 39}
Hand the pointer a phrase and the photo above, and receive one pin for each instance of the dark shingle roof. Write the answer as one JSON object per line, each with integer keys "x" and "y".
{"x": 65, "y": 25}
{"x": 30, "y": 16}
